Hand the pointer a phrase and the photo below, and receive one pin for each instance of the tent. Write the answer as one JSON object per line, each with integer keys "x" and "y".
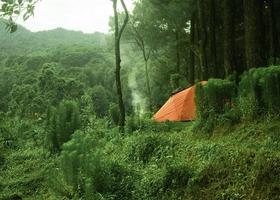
{"x": 179, "y": 107}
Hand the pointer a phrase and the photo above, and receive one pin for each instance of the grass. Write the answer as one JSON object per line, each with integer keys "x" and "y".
{"x": 241, "y": 162}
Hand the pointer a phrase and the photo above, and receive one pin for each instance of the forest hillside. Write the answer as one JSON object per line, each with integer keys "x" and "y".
{"x": 77, "y": 110}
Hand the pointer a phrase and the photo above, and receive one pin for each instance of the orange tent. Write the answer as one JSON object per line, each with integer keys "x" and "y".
{"x": 179, "y": 107}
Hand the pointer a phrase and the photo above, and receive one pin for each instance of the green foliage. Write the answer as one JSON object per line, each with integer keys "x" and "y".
{"x": 72, "y": 74}
{"x": 132, "y": 124}
{"x": 214, "y": 97}
{"x": 259, "y": 92}
{"x": 214, "y": 103}
{"x": 267, "y": 172}
{"x": 136, "y": 123}
{"x": 114, "y": 113}
{"x": 174, "y": 79}
{"x": 62, "y": 123}
{"x": 85, "y": 173}
{"x": 13, "y": 9}
{"x": 100, "y": 101}
{"x": 177, "y": 177}
{"x": 147, "y": 148}
{"x": 151, "y": 185}
{"x": 22, "y": 171}
{"x": 25, "y": 101}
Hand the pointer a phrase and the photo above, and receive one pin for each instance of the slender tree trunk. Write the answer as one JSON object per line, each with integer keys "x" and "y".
{"x": 275, "y": 14}
{"x": 212, "y": 37}
{"x": 196, "y": 49}
{"x": 178, "y": 58}
{"x": 229, "y": 36}
{"x": 202, "y": 40}
{"x": 254, "y": 33}
{"x": 118, "y": 34}
{"x": 271, "y": 32}
{"x": 191, "y": 72}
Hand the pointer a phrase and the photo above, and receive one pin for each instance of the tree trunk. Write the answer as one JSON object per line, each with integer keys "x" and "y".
{"x": 212, "y": 37}
{"x": 202, "y": 40}
{"x": 196, "y": 49}
{"x": 275, "y": 10}
{"x": 254, "y": 33}
{"x": 229, "y": 36}
{"x": 178, "y": 58}
{"x": 118, "y": 34}
{"x": 192, "y": 55}
{"x": 271, "y": 32}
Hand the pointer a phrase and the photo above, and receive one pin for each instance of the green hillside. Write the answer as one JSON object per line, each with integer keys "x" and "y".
{"x": 24, "y": 41}
{"x": 77, "y": 110}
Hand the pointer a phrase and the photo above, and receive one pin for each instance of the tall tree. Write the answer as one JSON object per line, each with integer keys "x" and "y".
{"x": 271, "y": 31}
{"x": 212, "y": 39}
{"x": 191, "y": 68}
{"x": 118, "y": 35}
{"x": 254, "y": 33}
{"x": 229, "y": 36}
{"x": 202, "y": 39}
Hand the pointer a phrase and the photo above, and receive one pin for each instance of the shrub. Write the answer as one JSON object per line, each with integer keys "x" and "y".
{"x": 121, "y": 181}
{"x": 2, "y": 160}
{"x": 213, "y": 97}
{"x": 114, "y": 113}
{"x": 259, "y": 92}
{"x": 213, "y": 101}
{"x": 169, "y": 182}
{"x": 62, "y": 123}
{"x": 177, "y": 177}
{"x": 271, "y": 89}
{"x": 84, "y": 173}
{"x": 267, "y": 178}
{"x": 132, "y": 124}
{"x": 151, "y": 186}
{"x": 100, "y": 101}
{"x": 145, "y": 148}
{"x": 147, "y": 124}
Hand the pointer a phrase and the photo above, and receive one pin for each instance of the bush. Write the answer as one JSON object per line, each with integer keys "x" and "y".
{"x": 121, "y": 181}
{"x": 267, "y": 168}
{"x": 145, "y": 148}
{"x": 169, "y": 182}
{"x": 132, "y": 124}
{"x": 84, "y": 173}
{"x": 213, "y": 101}
{"x": 100, "y": 101}
{"x": 62, "y": 123}
{"x": 271, "y": 89}
{"x": 151, "y": 186}
{"x": 177, "y": 177}
{"x": 114, "y": 113}
{"x": 135, "y": 123}
{"x": 213, "y": 97}
{"x": 259, "y": 92}
{"x": 2, "y": 160}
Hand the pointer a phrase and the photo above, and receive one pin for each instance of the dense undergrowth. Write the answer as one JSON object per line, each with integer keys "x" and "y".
{"x": 161, "y": 161}
{"x": 231, "y": 152}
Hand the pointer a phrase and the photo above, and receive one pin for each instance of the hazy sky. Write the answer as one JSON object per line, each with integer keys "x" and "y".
{"x": 82, "y": 15}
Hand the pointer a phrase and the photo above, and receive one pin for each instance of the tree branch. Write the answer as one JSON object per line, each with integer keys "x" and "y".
{"x": 125, "y": 20}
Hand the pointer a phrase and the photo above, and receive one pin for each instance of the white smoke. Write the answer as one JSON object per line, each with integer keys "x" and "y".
{"x": 139, "y": 102}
